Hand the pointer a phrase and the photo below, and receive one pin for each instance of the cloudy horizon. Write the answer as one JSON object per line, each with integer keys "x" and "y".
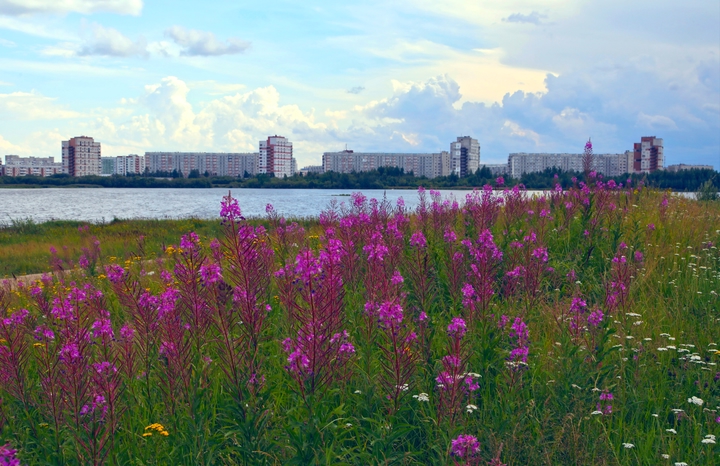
{"x": 410, "y": 76}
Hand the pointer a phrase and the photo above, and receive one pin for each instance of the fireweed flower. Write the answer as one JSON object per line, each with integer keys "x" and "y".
{"x": 230, "y": 209}
{"x": 465, "y": 446}
{"x": 457, "y": 328}
{"x": 418, "y": 240}
{"x": 8, "y": 456}
{"x": 210, "y": 273}
{"x": 114, "y": 273}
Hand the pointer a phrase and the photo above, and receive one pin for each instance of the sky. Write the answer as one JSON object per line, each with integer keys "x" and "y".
{"x": 401, "y": 76}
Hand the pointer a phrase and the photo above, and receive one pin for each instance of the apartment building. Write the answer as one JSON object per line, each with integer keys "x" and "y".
{"x": 683, "y": 166}
{"x": 648, "y": 155}
{"x": 430, "y": 165}
{"x": 81, "y": 156}
{"x": 132, "y": 164}
{"x": 276, "y": 156}
{"x": 607, "y": 164}
{"x": 464, "y": 156}
{"x": 214, "y": 163}
{"x": 35, "y": 166}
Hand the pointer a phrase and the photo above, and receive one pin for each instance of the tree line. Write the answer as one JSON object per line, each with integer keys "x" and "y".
{"x": 382, "y": 178}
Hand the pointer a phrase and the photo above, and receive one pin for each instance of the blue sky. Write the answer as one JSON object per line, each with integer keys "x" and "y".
{"x": 407, "y": 75}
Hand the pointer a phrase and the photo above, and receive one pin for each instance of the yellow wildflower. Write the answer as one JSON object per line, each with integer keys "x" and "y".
{"x": 101, "y": 277}
{"x": 147, "y": 434}
{"x": 164, "y": 433}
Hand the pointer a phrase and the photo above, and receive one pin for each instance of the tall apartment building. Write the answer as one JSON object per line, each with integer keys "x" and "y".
{"x": 81, "y": 156}
{"x": 607, "y": 164}
{"x": 36, "y": 166}
{"x": 276, "y": 156}
{"x": 429, "y": 165}
{"x": 648, "y": 155}
{"x": 464, "y": 156}
{"x": 214, "y": 163}
{"x": 129, "y": 165}
{"x": 497, "y": 169}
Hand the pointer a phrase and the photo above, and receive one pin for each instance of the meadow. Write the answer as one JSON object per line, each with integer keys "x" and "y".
{"x": 577, "y": 327}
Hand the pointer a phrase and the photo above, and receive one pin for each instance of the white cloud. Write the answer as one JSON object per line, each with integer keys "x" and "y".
{"x": 31, "y": 106}
{"x": 111, "y": 42}
{"x": 7, "y": 43}
{"x": 29, "y": 7}
{"x": 655, "y": 122}
{"x": 202, "y": 43}
{"x": 532, "y": 18}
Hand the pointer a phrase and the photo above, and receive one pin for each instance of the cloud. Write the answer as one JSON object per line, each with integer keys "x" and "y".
{"x": 110, "y": 42}
{"x": 201, "y": 43}
{"x": 29, "y": 7}
{"x": 355, "y": 90}
{"x": 7, "y": 43}
{"x": 32, "y": 106}
{"x": 533, "y": 18}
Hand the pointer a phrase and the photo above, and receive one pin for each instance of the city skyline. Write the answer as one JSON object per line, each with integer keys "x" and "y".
{"x": 519, "y": 76}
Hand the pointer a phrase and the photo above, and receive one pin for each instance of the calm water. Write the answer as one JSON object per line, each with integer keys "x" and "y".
{"x": 104, "y": 204}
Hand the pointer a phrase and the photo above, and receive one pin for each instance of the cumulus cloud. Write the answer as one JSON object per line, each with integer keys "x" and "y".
{"x": 29, "y": 7}
{"x": 355, "y": 90}
{"x": 532, "y": 18}
{"x": 111, "y": 42}
{"x": 202, "y": 43}
{"x": 32, "y": 106}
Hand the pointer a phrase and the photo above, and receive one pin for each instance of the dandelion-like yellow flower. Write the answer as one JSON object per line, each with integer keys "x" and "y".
{"x": 164, "y": 433}
{"x": 101, "y": 277}
{"x": 147, "y": 434}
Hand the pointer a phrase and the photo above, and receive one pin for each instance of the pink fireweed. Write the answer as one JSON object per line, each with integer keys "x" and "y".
{"x": 485, "y": 258}
{"x": 454, "y": 383}
{"x": 465, "y": 446}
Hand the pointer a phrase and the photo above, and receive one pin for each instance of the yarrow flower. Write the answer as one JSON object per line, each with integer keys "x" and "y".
{"x": 696, "y": 401}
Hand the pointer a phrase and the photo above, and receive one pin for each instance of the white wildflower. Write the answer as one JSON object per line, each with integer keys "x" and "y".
{"x": 696, "y": 401}
{"x": 422, "y": 397}
{"x": 596, "y": 413}
{"x": 654, "y": 415}
{"x": 628, "y": 445}
{"x": 471, "y": 408}
{"x": 672, "y": 431}
{"x": 665, "y": 456}
{"x": 707, "y": 441}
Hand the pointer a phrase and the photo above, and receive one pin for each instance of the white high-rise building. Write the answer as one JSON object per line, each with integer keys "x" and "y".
{"x": 276, "y": 156}
{"x": 214, "y": 163}
{"x": 607, "y": 164}
{"x": 129, "y": 165}
{"x": 81, "y": 156}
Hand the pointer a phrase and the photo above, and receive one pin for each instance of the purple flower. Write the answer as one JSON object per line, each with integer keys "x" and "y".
{"x": 651, "y": 227}
{"x": 104, "y": 368}
{"x": 606, "y": 395}
{"x": 390, "y": 313}
{"x": 638, "y": 256}
{"x": 397, "y": 279}
{"x": 229, "y": 209}
{"x": 44, "y": 333}
{"x": 465, "y": 446}
{"x": 457, "y": 328}
{"x": 595, "y": 318}
{"x": 499, "y": 181}
{"x": 503, "y": 321}
{"x": 189, "y": 242}
{"x": 114, "y": 273}
{"x": 69, "y": 353}
{"x": 418, "y": 240}
{"x": 127, "y": 332}
{"x": 470, "y": 384}
{"x": 423, "y": 316}
{"x": 102, "y": 328}
{"x": 8, "y": 456}
{"x": 450, "y": 236}
{"x": 211, "y": 273}
{"x": 541, "y": 254}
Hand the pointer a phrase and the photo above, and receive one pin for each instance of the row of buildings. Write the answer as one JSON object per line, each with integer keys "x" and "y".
{"x": 81, "y": 156}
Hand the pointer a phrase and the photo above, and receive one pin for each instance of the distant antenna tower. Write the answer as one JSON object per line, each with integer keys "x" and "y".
{"x": 588, "y": 159}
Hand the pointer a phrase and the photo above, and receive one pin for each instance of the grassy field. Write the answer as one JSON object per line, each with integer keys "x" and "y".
{"x": 577, "y": 328}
